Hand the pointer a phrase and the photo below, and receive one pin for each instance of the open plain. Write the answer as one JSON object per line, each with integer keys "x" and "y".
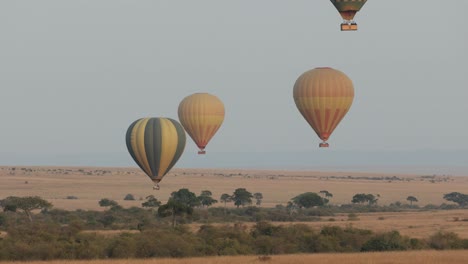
{"x": 89, "y": 185}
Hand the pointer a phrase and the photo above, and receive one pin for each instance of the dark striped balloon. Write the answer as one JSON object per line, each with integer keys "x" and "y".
{"x": 155, "y": 144}
{"x": 348, "y": 8}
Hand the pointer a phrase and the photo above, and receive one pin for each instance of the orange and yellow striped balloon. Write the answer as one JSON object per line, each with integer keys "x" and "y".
{"x": 323, "y": 96}
{"x": 201, "y": 114}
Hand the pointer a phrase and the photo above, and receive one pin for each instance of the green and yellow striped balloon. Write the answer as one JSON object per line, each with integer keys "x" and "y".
{"x": 155, "y": 144}
{"x": 348, "y": 8}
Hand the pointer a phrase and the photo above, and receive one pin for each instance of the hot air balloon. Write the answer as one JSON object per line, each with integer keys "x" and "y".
{"x": 348, "y": 9}
{"x": 155, "y": 144}
{"x": 201, "y": 114}
{"x": 323, "y": 96}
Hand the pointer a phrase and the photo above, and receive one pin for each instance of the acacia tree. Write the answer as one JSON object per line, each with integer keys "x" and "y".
{"x": 326, "y": 193}
{"x": 241, "y": 197}
{"x": 411, "y": 199}
{"x": 456, "y": 197}
{"x": 151, "y": 202}
{"x": 206, "y": 199}
{"x": 225, "y": 198}
{"x": 291, "y": 207}
{"x": 308, "y": 200}
{"x": 326, "y": 196}
{"x": 180, "y": 203}
{"x": 364, "y": 198}
{"x": 258, "y": 197}
{"x": 26, "y": 204}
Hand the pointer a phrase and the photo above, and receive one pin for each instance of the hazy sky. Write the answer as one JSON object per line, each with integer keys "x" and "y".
{"x": 75, "y": 74}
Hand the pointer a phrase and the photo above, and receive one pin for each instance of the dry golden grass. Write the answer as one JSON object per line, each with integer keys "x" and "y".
{"x": 413, "y": 257}
{"x": 110, "y": 232}
{"x": 277, "y": 187}
{"x": 412, "y": 224}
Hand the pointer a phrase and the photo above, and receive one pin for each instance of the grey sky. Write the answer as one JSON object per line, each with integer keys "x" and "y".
{"x": 75, "y": 74}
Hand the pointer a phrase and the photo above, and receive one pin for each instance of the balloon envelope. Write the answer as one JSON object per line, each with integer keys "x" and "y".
{"x": 155, "y": 144}
{"x": 323, "y": 97}
{"x": 201, "y": 114}
{"x": 348, "y": 8}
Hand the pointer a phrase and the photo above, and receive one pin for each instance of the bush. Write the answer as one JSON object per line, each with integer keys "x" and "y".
{"x": 390, "y": 241}
{"x": 124, "y": 246}
{"x": 129, "y": 197}
{"x": 344, "y": 240}
{"x": 445, "y": 240}
{"x": 3, "y": 219}
{"x": 353, "y": 217}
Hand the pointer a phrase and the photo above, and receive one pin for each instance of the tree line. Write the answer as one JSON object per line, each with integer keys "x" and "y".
{"x": 42, "y": 240}
{"x": 159, "y": 229}
{"x": 182, "y": 204}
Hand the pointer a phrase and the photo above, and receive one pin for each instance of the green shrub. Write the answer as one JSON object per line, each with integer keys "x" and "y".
{"x": 129, "y": 197}
{"x": 3, "y": 219}
{"x": 123, "y": 246}
{"x": 391, "y": 241}
{"x": 353, "y": 217}
{"x": 445, "y": 240}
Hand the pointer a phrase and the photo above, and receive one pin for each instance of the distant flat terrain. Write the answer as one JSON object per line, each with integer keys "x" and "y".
{"x": 90, "y": 185}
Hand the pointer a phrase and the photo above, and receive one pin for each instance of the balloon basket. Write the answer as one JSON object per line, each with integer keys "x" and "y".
{"x": 324, "y": 145}
{"x": 201, "y": 152}
{"x": 348, "y": 27}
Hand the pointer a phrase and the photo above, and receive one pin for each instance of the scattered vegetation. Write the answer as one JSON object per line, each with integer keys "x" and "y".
{"x": 160, "y": 230}
{"x": 47, "y": 240}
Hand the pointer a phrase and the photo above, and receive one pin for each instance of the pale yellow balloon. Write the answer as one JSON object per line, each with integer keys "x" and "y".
{"x": 201, "y": 114}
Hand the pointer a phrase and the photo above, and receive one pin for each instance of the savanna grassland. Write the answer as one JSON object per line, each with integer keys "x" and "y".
{"x": 412, "y": 224}
{"x": 413, "y": 257}
{"x": 89, "y": 185}
{"x": 120, "y": 232}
